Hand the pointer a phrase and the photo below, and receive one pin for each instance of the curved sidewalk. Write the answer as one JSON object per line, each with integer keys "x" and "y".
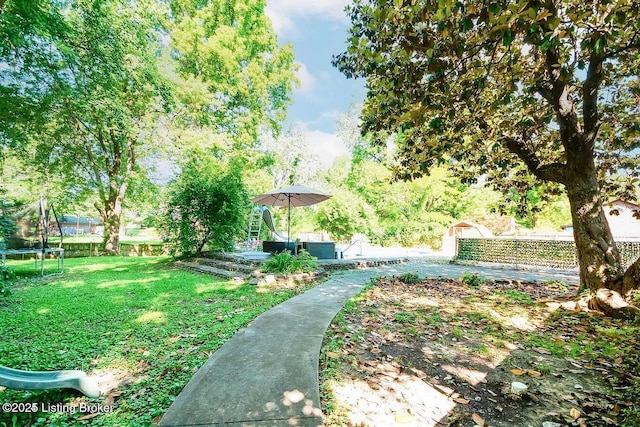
{"x": 267, "y": 373}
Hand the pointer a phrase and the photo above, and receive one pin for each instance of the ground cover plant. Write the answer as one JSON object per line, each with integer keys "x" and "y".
{"x": 138, "y": 324}
{"x": 285, "y": 263}
{"x": 441, "y": 352}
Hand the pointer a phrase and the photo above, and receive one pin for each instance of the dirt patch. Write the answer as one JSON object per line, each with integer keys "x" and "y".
{"x": 447, "y": 353}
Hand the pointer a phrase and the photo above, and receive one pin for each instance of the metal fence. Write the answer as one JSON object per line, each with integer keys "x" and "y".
{"x": 543, "y": 253}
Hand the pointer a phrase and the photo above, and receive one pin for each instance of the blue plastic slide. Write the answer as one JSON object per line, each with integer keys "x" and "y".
{"x": 39, "y": 380}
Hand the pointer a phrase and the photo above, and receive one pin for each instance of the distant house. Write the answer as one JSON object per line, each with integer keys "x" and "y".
{"x": 622, "y": 221}
{"x": 462, "y": 229}
{"x": 73, "y": 225}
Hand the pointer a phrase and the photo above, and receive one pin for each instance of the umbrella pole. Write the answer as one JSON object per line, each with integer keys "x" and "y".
{"x": 289, "y": 223}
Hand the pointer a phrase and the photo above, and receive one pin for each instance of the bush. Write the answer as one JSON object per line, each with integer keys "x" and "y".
{"x": 285, "y": 263}
{"x": 207, "y": 205}
{"x": 410, "y": 278}
{"x": 472, "y": 279}
{"x": 5, "y": 290}
{"x": 7, "y": 277}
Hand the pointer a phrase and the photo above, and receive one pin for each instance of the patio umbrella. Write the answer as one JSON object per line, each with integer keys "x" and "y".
{"x": 293, "y": 196}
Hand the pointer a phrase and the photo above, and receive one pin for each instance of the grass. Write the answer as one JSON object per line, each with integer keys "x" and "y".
{"x": 449, "y": 331}
{"x": 136, "y": 318}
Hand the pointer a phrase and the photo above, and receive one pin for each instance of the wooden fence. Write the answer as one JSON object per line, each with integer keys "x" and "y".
{"x": 535, "y": 252}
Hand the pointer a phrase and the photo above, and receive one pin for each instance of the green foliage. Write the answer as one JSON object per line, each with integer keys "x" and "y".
{"x": 233, "y": 78}
{"x": 405, "y": 317}
{"x": 7, "y": 228}
{"x": 6, "y": 280}
{"x": 207, "y": 205}
{"x": 434, "y": 86}
{"x": 389, "y": 212}
{"x": 344, "y": 215}
{"x": 472, "y": 279}
{"x": 424, "y": 228}
{"x": 518, "y": 297}
{"x": 150, "y": 321}
{"x": 93, "y": 87}
{"x": 97, "y": 99}
{"x": 539, "y": 98}
{"x": 411, "y": 278}
{"x": 285, "y": 263}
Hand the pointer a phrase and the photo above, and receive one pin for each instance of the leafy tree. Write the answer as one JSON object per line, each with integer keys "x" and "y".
{"x": 86, "y": 93}
{"x": 234, "y": 81}
{"x": 344, "y": 215}
{"x": 530, "y": 93}
{"x": 207, "y": 205}
{"x": 287, "y": 159}
{"x": 7, "y": 225}
{"x": 82, "y": 87}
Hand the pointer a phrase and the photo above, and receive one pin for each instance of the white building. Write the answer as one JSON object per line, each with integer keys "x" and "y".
{"x": 623, "y": 223}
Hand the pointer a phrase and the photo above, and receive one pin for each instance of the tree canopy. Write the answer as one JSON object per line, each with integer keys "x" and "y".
{"x": 94, "y": 90}
{"x": 207, "y": 205}
{"x": 527, "y": 93}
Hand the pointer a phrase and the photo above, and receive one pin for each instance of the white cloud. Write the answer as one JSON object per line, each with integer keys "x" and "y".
{"x": 307, "y": 80}
{"x": 283, "y": 13}
{"x": 326, "y": 146}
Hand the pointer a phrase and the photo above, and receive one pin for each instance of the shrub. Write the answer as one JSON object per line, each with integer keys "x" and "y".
{"x": 207, "y": 205}
{"x": 5, "y": 290}
{"x": 7, "y": 277}
{"x": 472, "y": 279}
{"x": 285, "y": 263}
{"x": 410, "y": 278}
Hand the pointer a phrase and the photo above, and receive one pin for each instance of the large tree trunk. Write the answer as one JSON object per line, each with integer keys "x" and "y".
{"x": 598, "y": 256}
{"x": 600, "y": 266}
{"x": 111, "y": 213}
{"x": 111, "y": 238}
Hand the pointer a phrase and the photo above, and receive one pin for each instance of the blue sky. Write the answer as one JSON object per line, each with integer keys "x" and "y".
{"x": 318, "y": 30}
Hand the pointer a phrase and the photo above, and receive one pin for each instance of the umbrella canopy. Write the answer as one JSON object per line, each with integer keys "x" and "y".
{"x": 293, "y": 196}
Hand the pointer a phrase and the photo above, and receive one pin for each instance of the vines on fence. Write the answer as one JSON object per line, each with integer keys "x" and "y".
{"x": 543, "y": 253}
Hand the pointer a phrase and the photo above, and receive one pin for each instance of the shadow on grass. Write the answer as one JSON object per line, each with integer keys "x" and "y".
{"x": 443, "y": 353}
{"x": 140, "y": 325}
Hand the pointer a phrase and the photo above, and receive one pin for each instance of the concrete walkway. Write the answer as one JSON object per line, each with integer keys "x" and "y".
{"x": 267, "y": 373}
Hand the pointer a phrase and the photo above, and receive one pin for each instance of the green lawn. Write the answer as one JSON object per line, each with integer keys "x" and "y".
{"x": 136, "y": 318}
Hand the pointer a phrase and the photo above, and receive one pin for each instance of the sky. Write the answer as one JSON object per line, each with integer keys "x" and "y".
{"x": 317, "y": 30}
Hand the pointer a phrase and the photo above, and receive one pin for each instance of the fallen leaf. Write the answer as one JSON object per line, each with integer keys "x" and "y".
{"x": 517, "y": 372}
{"x": 405, "y": 419}
{"x": 461, "y": 400}
{"x": 541, "y": 350}
{"x": 88, "y": 416}
{"x": 333, "y": 354}
{"x": 575, "y": 414}
{"x": 534, "y": 374}
{"x": 478, "y": 419}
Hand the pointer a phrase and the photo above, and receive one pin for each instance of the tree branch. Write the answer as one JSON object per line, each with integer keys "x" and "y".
{"x": 554, "y": 172}
{"x": 634, "y": 44}
{"x": 590, "y": 89}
